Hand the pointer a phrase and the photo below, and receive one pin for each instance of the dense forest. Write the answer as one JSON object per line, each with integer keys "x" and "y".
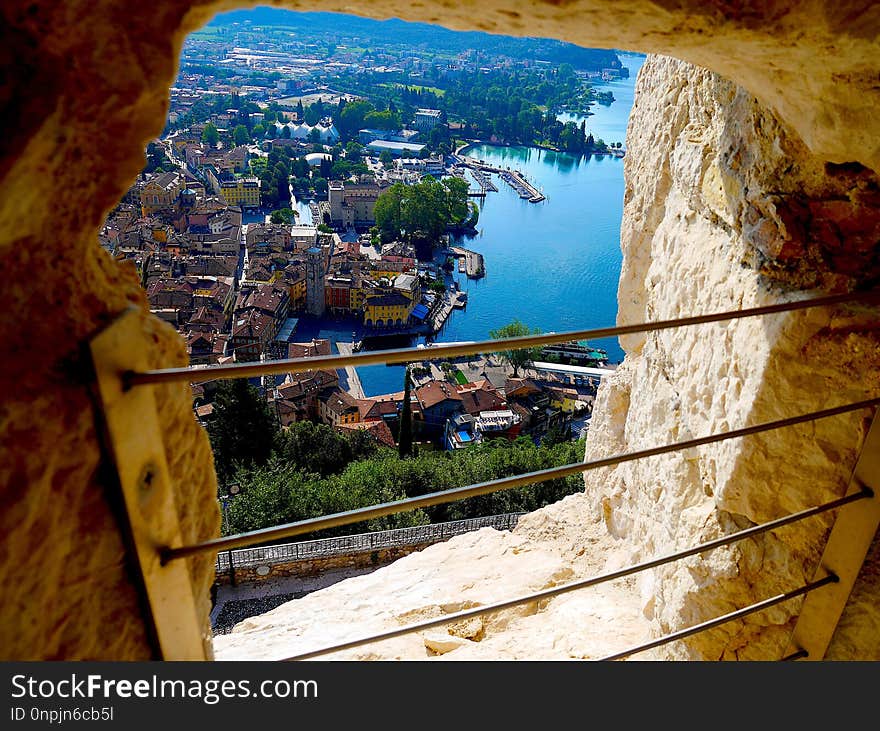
{"x": 517, "y": 106}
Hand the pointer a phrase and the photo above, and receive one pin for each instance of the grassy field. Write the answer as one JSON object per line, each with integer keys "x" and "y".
{"x": 432, "y": 89}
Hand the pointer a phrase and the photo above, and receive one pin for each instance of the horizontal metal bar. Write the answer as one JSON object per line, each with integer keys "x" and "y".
{"x": 200, "y": 374}
{"x": 484, "y": 488}
{"x": 799, "y": 655}
{"x": 724, "y": 619}
{"x": 593, "y": 581}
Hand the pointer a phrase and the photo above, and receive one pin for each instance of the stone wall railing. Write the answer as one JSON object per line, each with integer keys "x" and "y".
{"x": 361, "y": 542}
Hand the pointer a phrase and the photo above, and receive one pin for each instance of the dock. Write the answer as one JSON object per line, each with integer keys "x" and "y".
{"x": 483, "y": 180}
{"x": 441, "y": 314}
{"x": 523, "y": 187}
{"x": 469, "y": 262}
{"x": 514, "y": 178}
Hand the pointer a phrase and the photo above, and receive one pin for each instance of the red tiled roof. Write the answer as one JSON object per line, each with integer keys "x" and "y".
{"x": 372, "y": 409}
{"x": 435, "y": 392}
{"x": 309, "y": 350}
{"x": 340, "y": 402}
{"x": 476, "y": 400}
{"x": 378, "y": 429}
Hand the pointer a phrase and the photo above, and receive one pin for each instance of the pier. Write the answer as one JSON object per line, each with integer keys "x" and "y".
{"x": 449, "y": 302}
{"x": 469, "y": 262}
{"x": 523, "y": 187}
{"x": 513, "y": 178}
{"x": 483, "y": 180}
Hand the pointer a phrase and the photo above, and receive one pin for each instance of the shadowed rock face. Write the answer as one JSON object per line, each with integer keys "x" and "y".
{"x": 86, "y": 87}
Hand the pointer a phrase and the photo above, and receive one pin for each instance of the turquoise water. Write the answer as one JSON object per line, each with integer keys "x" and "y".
{"x": 553, "y": 265}
{"x": 608, "y": 123}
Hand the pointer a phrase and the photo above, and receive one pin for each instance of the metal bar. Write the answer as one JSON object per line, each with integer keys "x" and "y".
{"x": 132, "y": 432}
{"x": 200, "y": 374}
{"x": 484, "y": 488}
{"x": 712, "y": 623}
{"x": 593, "y": 581}
{"x": 800, "y": 654}
{"x": 848, "y": 543}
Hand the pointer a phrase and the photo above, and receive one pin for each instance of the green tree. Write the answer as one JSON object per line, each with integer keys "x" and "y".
{"x": 259, "y": 131}
{"x": 456, "y": 200}
{"x": 387, "y": 212}
{"x": 352, "y": 116}
{"x": 320, "y": 185}
{"x": 353, "y": 151}
{"x": 312, "y": 115}
{"x": 242, "y": 429}
{"x": 387, "y": 120}
{"x": 210, "y": 135}
{"x": 386, "y": 158}
{"x": 283, "y": 216}
{"x": 314, "y": 135}
{"x": 425, "y": 209}
{"x": 319, "y": 449}
{"x": 516, "y": 358}
{"x": 241, "y": 136}
{"x": 404, "y": 443}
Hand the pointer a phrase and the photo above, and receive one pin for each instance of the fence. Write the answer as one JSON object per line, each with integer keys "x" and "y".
{"x": 360, "y": 542}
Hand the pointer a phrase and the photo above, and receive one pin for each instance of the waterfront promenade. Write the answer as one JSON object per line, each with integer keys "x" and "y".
{"x": 353, "y": 381}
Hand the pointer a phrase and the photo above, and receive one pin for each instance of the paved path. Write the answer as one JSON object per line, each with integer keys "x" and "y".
{"x": 353, "y": 380}
{"x": 253, "y": 592}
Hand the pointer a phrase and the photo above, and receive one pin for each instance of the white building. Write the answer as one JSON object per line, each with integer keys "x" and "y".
{"x": 426, "y": 119}
{"x": 328, "y": 134}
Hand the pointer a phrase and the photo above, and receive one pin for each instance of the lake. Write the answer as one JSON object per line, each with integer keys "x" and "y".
{"x": 553, "y": 265}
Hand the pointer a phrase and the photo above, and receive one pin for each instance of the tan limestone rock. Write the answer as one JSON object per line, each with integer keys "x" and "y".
{"x": 87, "y": 88}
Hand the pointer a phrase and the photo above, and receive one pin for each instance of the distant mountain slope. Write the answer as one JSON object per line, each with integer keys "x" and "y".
{"x": 421, "y": 34}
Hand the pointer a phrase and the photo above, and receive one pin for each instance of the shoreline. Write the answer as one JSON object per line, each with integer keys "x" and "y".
{"x": 471, "y": 145}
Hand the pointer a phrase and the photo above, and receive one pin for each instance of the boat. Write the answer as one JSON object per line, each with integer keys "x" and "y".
{"x": 577, "y": 352}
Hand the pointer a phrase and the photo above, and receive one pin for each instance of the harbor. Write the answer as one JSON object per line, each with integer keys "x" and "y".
{"x": 481, "y": 172}
{"x": 449, "y": 302}
{"x": 522, "y": 186}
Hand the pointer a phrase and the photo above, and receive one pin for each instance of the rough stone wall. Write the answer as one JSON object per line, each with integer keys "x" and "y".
{"x": 722, "y": 212}
{"x": 80, "y": 98}
{"x": 85, "y": 86}
{"x": 316, "y": 566}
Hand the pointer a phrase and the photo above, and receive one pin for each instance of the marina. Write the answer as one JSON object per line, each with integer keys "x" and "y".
{"x": 484, "y": 181}
{"x": 522, "y": 186}
{"x": 481, "y": 172}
